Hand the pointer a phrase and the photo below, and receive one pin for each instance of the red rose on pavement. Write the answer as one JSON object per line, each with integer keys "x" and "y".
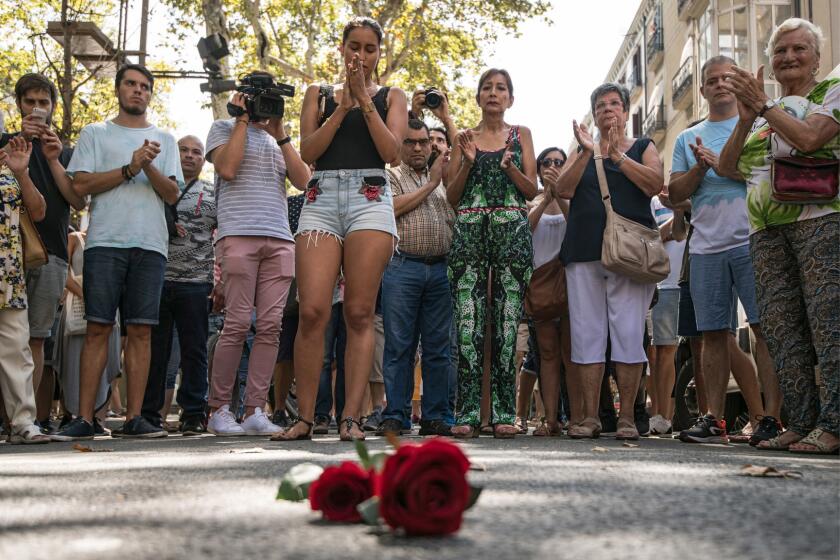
{"x": 339, "y": 490}
{"x": 424, "y": 488}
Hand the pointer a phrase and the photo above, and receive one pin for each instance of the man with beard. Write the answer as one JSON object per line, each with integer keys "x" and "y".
{"x": 129, "y": 168}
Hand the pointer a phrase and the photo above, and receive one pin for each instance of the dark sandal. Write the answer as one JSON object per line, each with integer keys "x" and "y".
{"x": 300, "y": 437}
{"x": 486, "y": 430}
{"x": 544, "y": 430}
{"x": 473, "y": 433}
{"x": 348, "y": 424}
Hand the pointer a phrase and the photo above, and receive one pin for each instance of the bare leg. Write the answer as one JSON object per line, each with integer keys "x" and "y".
{"x": 44, "y": 394}
{"x": 716, "y": 369}
{"x": 377, "y": 395}
{"x": 590, "y": 376}
{"x": 696, "y": 343}
{"x": 628, "y": 377}
{"x": 767, "y": 375}
{"x": 284, "y": 375}
{"x": 167, "y": 404}
{"x": 743, "y": 370}
{"x": 665, "y": 377}
{"x": 526, "y": 392}
{"x": 317, "y": 261}
{"x": 116, "y": 396}
{"x": 548, "y": 340}
{"x": 652, "y": 379}
{"x": 92, "y": 364}
{"x": 366, "y": 254}
{"x": 138, "y": 353}
{"x": 36, "y": 346}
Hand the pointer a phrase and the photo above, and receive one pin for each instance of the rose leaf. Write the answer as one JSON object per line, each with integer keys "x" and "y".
{"x": 475, "y": 492}
{"x": 364, "y": 455}
{"x": 294, "y": 485}
{"x": 369, "y": 510}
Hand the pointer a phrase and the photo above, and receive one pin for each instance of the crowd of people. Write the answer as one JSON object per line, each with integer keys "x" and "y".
{"x": 430, "y": 275}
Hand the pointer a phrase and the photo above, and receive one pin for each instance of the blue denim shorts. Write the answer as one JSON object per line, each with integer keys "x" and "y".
{"x": 130, "y": 280}
{"x": 665, "y": 317}
{"x": 341, "y": 201}
{"x": 715, "y": 279}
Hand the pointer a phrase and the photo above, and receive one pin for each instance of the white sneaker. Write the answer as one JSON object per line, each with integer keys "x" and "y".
{"x": 223, "y": 423}
{"x": 656, "y": 424}
{"x": 258, "y": 424}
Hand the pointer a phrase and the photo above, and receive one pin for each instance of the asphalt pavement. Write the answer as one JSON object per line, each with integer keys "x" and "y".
{"x": 213, "y": 497}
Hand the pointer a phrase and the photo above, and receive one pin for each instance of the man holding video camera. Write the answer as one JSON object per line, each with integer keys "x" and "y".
{"x": 36, "y": 96}
{"x": 252, "y": 155}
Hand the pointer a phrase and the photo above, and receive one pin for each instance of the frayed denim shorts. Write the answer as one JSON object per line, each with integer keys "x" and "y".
{"x": 340, "y": 201}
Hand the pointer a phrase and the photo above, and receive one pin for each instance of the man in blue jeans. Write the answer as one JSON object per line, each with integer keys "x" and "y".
{"x": 416, "y": 300}
{"x": 130, "y": 169}
{"x": 184, "y": 303}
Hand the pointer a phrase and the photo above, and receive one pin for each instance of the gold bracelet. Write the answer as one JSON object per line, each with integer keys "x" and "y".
{"x": 368, "y": 107}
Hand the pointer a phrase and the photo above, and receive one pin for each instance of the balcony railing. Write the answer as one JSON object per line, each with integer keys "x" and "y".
{"x": 654, "y": 126}
{"x": 655, "y": 48}
{"x": 681, "y": 84}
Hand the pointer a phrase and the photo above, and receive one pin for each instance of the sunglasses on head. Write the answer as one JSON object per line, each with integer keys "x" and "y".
{"x": 556, "y": 162}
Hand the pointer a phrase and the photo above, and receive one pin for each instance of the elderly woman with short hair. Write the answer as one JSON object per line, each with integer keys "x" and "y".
{"x": 604, "y": 304}
{"x": 795, "y": 246}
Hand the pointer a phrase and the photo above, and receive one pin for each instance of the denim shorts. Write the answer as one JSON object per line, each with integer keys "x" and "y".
{"x": 130, "y": 280}
{"x": 715, "y": 278}
{"x": 341, "y": 201}
{"x": 687, "y": 320}
{"x": 664, "y": 316}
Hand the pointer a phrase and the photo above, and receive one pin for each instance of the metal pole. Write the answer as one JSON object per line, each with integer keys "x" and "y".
{"x": 144, "y": 24}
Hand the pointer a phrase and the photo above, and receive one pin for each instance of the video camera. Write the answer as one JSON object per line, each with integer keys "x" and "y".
{"x": 263, "y": 98}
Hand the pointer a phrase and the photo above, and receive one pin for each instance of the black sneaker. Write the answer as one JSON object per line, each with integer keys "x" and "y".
{"x": 46, "y": 426}
{"x": 707, "y": 429}
{"x": 280, "y": 418}
{"x": 322, "y": 425}
{"x": 372, "y": 422}
{"x": 75, "y": 430}
{"x": 99, "y": 429}
{"x": 768, "y": 427}
{"x": 138, "y": 427}
{"x": 435, "y": 428}
{"x": 193, "y": 426}
{"x": 390, "y": 426}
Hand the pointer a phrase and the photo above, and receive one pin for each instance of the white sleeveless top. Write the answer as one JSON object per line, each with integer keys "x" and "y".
{"x": 548, "y": 238}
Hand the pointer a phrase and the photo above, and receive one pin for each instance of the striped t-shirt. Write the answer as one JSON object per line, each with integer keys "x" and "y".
{"x": 254, "y": 203}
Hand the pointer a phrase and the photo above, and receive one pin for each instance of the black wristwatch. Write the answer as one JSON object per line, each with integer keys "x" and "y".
{"x": 769, "y": 104}
{"x": 285, "y": 140}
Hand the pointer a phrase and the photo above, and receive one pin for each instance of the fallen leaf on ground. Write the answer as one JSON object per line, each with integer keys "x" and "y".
{"x": 600, "y": 449}
{"x": 628, "y": 444}
{"x": 85, "y": 449}
{"x": 249, "y": 450}
{"x": 768, "y": 472}
{"x": 478, "y": 467}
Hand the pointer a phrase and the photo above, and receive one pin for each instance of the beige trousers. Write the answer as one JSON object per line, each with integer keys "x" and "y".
{"x": 16, "y": 368}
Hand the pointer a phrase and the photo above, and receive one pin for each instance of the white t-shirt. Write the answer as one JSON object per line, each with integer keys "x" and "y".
{"x": 130, "y": 215}
{"x": 675, "y": 249}
{"x": 548, "y": 238}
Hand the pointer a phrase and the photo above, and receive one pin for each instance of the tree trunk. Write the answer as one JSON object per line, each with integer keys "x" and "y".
{"x": 252, "y": 12}
{"x": 65, "y": 81}
{"x": 216, "y": 22}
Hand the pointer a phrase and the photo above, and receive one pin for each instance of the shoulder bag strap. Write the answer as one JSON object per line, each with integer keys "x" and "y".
{"x": 186, "y": 190}
{"x": 602, "y": 177}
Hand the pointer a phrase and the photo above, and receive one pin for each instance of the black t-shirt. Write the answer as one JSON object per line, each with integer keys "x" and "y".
{"x": 587, "y": 216}
{"x": 53, "y": 228}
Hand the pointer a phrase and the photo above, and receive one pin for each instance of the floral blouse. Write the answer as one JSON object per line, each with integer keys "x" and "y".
{"x": 12, "y": 281}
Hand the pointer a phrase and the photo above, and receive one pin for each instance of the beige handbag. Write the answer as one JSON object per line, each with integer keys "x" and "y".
{"x": 629, "y": 248}
{"x": 34, "y": 251}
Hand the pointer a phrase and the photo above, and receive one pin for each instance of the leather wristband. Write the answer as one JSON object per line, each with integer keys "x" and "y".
{"x": 285, "y": 140}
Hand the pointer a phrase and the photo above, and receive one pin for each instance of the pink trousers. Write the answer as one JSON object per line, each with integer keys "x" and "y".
{"x": 256, "y": 273}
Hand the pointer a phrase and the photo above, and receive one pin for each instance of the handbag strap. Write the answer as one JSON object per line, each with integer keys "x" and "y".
{"x": 183, "y": 194}
{"x": 602, "y": 177}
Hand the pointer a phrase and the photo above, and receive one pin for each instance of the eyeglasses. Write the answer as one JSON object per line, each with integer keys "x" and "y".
{"x": 422, "y": 142}
{"x": 556, "y": 162}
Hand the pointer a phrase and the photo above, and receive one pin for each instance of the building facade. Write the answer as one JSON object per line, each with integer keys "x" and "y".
{"x": 669, "y": 40}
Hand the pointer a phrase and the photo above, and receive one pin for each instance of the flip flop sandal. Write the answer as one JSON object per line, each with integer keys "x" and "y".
{"x": 347, "y": 436}
{"x": 505, "y": 433}
{"x": 813, "y": 439}
{"x": 486, "y": 430}
{"x": 522, "y": 426}
{"x": 307, "y": 435}
{"x": 774, "y": 443}
{"x": 473, "y": 433}
{"x": 543, "y": 430}
{"x": 28, "y": 435}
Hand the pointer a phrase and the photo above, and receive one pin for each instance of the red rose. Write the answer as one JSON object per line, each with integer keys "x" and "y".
{"x": 312, "y": 194}
{"x": 371, "y": 192}
{"x": 339, "y": 490}
{"x": 424, "y": 488}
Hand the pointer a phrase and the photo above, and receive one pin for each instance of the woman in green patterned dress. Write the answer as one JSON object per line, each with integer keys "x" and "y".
{"x": 795, "y": 247}
{"x": 491, "y": 173}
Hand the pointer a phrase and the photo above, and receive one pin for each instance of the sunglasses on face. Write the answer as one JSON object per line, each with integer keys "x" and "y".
{"x": 422, "y": 142}
{"x": 556, "y": 162}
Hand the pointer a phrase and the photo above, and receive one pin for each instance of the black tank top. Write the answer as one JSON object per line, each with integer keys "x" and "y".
{"x": 352, "y": 146}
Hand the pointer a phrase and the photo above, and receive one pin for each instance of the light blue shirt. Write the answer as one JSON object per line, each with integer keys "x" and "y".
{"x": 719, "y": 205}
{"x": 130, "y": 215}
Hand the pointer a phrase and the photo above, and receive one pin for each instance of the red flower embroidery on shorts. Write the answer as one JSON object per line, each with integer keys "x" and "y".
{"x": 371, "y": 192}
{"x": 312, "y": 191}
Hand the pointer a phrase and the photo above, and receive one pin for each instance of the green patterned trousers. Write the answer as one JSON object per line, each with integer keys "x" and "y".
{"x": 501, "y": 241}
